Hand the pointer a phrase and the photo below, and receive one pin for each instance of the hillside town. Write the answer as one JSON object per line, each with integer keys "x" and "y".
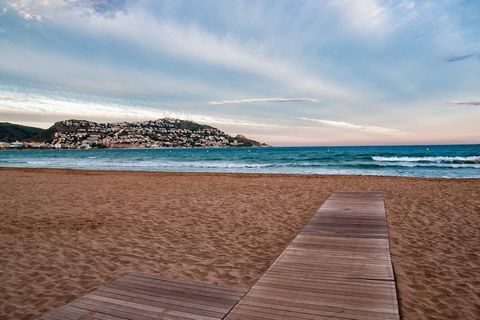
{"x": 162, "y": 133}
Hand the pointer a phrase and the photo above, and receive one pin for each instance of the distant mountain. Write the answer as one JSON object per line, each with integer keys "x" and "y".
{"x": 10, "y": 132}
{"x": 83, "y": 134}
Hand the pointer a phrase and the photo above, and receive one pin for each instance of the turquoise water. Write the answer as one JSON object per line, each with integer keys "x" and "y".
{"x": 455, "y": 161}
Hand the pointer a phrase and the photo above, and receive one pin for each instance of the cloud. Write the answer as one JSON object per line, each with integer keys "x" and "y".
{"x": 351, "y": 126}
{"x": 263, "y": 100}
{"x": 190, "y": 42}
{"x": 70, "y": 73}
{"x": 365, "y": 16}
{"x": 28, "y": 9}
{"x": 107, "y": 8}
{"x": 466, "y": 102}
{"x": 195, "y": 44}
{"x": 28, "y": 107}
{"x": 461, "y": 58}
{"x": 48, "y": 9}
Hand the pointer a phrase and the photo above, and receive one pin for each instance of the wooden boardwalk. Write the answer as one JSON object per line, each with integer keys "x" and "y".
{"x": 138, "y": 296}
{"x": 338, "y": 267}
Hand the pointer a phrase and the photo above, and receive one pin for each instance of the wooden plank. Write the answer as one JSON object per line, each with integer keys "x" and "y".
{"x": 156, "y": 302}
{"x": 168, "y": 294}
{"x": 337, "y": 267}
{"x": 183, "y": 283}
{"x": 138, "y": 296}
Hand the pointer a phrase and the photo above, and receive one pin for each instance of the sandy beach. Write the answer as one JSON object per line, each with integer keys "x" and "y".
{"x": 65, "y": 232}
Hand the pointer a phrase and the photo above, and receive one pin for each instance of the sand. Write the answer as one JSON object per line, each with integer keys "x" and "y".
{"x": 64, "y": 232}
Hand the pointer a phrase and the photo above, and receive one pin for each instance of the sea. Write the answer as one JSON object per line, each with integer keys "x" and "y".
{"x": 446, "y": 161}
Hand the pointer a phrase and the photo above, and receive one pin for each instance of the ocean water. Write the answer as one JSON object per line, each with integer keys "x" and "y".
{"x": 454, "y": 161}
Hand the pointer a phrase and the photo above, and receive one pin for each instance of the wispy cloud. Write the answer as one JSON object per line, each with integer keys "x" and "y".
{"x": 45, "y": 10}
{"x": 366, "y": 16}
{"x": 29, "y": 107}
{"x": 192, "y": 43}
{"x": 352, "y": 126}
{"x": 466, "y": 102}
{"x": 462, "y": 57}
{"x": 25, "y": 9}
{"x": 104, "y": 7}
{"x": 263, "y": 100}
{"x": 196, "y": 44}
{"x": 94, "y": 77}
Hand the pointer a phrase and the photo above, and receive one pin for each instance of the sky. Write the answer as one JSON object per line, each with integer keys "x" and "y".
{"x": 343, "y": 72}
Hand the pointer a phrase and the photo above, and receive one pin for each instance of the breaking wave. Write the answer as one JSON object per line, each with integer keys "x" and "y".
{"x": 441, "y": 159}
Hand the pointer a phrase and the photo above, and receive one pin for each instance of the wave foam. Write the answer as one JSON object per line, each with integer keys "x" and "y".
{"x": 466, "y": 160}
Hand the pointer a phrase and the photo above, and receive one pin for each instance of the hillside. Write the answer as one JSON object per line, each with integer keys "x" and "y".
{"x": 83, "y": 134}
{"x": 10, "y": 132}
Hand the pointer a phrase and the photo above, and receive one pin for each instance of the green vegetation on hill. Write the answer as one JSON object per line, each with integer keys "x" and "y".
{"x": 10, "y": 132}
{"x": 189, "y": 125}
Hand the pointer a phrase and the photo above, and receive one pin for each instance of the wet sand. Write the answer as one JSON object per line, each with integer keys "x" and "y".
{"x": 65, "y": 232}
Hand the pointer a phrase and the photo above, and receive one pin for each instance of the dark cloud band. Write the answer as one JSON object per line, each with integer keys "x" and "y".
{"x": 462, "y": 57}
{"x": 466, "y": 102}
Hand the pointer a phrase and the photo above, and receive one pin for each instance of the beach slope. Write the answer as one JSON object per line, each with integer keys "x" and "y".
{"x": 65, "y": 232}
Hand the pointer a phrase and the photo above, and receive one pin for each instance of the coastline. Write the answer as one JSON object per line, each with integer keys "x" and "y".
{"x": 213, "y": 173}
{"x": 67, "y": 231}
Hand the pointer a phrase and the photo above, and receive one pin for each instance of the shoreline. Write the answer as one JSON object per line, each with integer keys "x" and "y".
{"x": 65, "y": 232}
{"x": 265, "y": 174}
